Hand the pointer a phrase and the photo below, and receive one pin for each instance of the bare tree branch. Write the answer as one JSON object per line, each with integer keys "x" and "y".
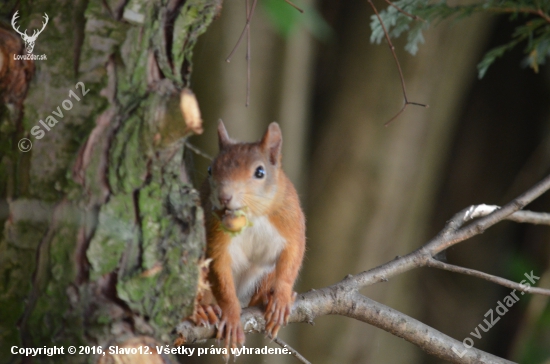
{"x": 452, "y": 234}
{"x": 341, "y": 300}
{"x": 524, "y": 216}
{"x": 485, "y": 222}
{"x": 488, "y": 277}
{"x": 344, "y": 299}
{"x": 530, "y": 217}
{"x": 294, "y": 352}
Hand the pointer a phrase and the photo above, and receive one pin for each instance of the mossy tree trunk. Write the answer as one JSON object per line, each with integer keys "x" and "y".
{"x": 103, "y": 231}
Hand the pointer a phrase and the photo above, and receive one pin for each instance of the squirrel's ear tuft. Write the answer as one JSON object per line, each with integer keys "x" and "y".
{"x": 223, "y": 137}
{"x": 272, "y": 142}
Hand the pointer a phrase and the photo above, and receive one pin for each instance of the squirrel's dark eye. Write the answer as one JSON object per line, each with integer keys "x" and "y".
{"x": 209, "y": 170}
{"x": 259, "y": 172}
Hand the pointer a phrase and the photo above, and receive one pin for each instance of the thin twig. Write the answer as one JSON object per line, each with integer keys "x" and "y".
{"x": 294, "y": 352}
{"x": 198, "y": 151}
{"x": 249, "y": 14}
{"x": 401, "y": 77}
{"x": 414, "y": 17}
{"x": 488, "y": 277}
{"x": 294, "y": 6}
{"x": 248, "y": 50}
{"x": 247, "y": 24}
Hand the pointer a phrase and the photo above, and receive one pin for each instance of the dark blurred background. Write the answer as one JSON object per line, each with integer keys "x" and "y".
{"x": 372, "y": 192}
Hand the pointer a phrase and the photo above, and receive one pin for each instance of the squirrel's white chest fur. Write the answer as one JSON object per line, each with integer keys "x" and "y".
{"x": 254, "y": 253}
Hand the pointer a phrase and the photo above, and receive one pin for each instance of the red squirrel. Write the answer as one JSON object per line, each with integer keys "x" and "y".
{"x": 258, "y": 264}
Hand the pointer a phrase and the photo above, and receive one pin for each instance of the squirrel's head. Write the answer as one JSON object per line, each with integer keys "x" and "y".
{"x": 245, "y": 175}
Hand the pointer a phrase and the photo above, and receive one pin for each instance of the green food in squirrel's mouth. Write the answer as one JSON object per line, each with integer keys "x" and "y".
{"x": 233, "y": 221}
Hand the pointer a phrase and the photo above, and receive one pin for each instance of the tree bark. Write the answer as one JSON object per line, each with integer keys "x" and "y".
{"x": 103, "y": 233}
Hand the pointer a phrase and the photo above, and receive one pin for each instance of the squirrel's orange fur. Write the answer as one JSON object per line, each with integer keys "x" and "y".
{"x": 259, "y": 265}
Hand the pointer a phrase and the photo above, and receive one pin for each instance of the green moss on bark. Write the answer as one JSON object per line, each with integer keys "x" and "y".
{"x": 115, "y": 231}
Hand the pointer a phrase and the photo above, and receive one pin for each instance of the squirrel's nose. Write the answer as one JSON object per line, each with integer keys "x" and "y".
{"x": 224, "y": 198}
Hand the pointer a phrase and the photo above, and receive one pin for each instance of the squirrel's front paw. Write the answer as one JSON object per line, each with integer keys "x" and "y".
{"x": 230, "y": 329}
{"x": 278, "y": 311}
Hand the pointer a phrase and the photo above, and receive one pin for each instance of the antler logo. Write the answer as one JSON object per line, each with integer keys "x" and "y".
{"x": 29, "y": 40}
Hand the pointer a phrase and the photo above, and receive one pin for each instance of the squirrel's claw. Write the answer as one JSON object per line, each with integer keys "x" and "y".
{"x": 231, "y": 331}
{"x": 206, "y": 315}
{"x": 214, "y": 314}
{"x": 201, "y": 318}
{"x": 277, "y": 312}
